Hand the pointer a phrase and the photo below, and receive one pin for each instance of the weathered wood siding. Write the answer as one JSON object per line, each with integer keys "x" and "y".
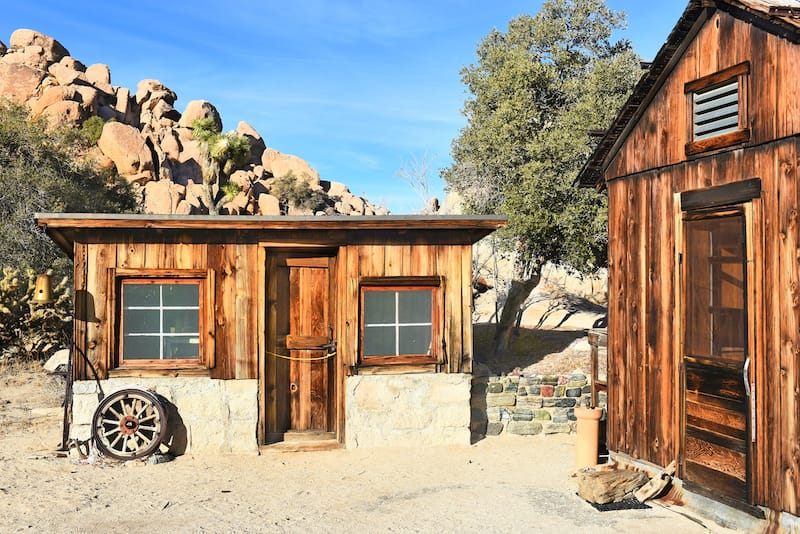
{"x": 248, "y": 319}
{"x": 235, "y": 267}
{"x": 660, "y": 136}
{"x": 644, "y": 320}
{"x": 452, "y": 262}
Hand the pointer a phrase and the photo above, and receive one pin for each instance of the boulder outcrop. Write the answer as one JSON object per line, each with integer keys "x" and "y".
{"x": 150, "y": 143}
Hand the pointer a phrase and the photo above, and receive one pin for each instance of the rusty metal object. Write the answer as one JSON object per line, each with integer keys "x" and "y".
{"x": 129, "y": 424}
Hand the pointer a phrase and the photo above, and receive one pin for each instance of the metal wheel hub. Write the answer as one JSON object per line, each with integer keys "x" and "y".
{"x": 128, "y": 425}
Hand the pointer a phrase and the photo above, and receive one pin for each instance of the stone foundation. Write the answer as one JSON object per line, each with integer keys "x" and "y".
{"x": 408, "y": 410}
{"x": 214, "y": 416}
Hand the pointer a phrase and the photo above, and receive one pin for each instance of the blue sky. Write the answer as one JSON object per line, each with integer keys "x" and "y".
{"x": 354, "y": 87}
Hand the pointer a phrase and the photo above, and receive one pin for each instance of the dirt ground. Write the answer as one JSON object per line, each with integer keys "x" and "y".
{"x": 503, "y": 484}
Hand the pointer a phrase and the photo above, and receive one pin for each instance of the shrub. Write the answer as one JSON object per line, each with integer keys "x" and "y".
{"x": 291, "y": 191}
{"x": 92, "y": 129}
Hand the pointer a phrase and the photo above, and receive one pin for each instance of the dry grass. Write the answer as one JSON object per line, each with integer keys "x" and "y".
{"x": 533, "y": 351}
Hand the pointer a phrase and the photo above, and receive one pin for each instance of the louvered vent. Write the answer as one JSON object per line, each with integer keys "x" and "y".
{"x": 716, "y": 111}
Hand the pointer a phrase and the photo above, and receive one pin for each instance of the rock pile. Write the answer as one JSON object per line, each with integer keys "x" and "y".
{"x": 149, "y": 142}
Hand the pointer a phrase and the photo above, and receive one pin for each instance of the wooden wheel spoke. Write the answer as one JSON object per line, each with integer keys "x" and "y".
{"x": 143, "y": 438}
{"x": 116, "y": 440}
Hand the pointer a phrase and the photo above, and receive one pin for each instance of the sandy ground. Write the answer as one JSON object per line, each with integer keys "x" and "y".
{"x": 503, "y": 484}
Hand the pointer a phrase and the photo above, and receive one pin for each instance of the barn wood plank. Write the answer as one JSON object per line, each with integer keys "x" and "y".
{"x": 268, "y": 374}
{"x": 371, "y": 260}
{"x": 247, "y": 325}
{"x": 660, "y": 355}
{"x": 130, "y": 253}
{"x": 617, "y": 315}
{"x": 764, "y": 84}
{"x": 450, "y": 262}
{"x": 299, "y": 374}
{"x": 223, "y": 292}
{"x": 80, "y": 371}
{"x": 350, "y": 342}
{"x": 789, "y": 313}
{"x": 466, "y": 309}
{"x": 99, "y": 259}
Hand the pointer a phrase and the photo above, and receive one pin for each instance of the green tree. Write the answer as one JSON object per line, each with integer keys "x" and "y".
{"x": 42, "y": 170}
{"x": 535, "y": 93}
{"x": 223, "y": 153}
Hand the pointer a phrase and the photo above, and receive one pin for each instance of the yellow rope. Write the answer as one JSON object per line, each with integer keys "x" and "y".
{"x": 318, "y": 358}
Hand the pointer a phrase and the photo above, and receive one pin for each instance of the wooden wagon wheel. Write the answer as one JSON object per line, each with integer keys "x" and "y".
{"x": 129, "y": 424}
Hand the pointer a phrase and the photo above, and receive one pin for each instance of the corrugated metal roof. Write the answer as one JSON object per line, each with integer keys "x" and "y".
{"x": 781, "y": 17}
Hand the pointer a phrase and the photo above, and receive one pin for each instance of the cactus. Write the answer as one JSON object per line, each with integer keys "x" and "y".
{"x": 28, "y": 330}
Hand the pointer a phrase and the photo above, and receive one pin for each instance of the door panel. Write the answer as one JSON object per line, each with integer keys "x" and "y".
{"x": 715, "y": 431}
{"x": 310, "y": 329}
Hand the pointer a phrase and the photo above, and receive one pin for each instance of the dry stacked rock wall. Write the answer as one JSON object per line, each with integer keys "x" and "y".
{"x": 528, "y": 405}
{"x": 149, "y": 142}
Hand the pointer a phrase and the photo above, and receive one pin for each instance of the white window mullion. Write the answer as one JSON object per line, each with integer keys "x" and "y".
{"x": 396, "y": 323}
{"x": 160, "y": 321}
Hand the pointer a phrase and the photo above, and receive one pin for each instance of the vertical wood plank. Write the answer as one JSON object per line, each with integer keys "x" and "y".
{"x": 244, "y": 310}
{"x": 660, "y": 364}
{"x": 349, "y": 276}
{"x": 130, "y": 254}
{"x": 450, "y": 260}
{"x": 99, "y": 259}
{"x": 789, "y": 313}
{"x": 223, "y": 290}
{"x": 371, "y": 260}
{"x": 466, "y": 309}
{"x": 763, "y": 86}
{"x": 264, "y": 411}
{"x": 617, "y": 316}
{"x": 80, "y": 302}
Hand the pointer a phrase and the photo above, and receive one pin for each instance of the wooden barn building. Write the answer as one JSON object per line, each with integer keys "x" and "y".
{"x": 701, "y": 172}
{"x": 304, "y": 331}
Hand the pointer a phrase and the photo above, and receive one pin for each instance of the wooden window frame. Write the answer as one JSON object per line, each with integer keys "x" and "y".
{"x": 738, "y": 72}
{"x": 432, "y": 283}
{"x": 204, "y": 361}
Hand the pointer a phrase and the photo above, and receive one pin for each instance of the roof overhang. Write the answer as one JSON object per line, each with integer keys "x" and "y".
{"x": 63, "y": 227}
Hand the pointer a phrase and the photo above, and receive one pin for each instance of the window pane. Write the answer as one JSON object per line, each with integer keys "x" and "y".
{"x": 181, "y": 294}
{"x": 142, "y": 322}
{"x": 379, "y": 341}
{"x": 379, "y": 307}
{"x": 414, "y": 306}
{"x": 140, "y": 295}
{"x": 715, "y": 288}
{"x": 141, "y": 347}
{"x": 181, "y": 322}
{"x": 415, "y": 340}
{"x": 181, "y": 347}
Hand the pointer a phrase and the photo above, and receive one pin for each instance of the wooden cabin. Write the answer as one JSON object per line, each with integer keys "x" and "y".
{"x": 701, "y": 171}
{"x": 353, "y": 331}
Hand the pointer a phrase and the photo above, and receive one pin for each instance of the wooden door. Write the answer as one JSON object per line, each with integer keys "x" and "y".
{"x": 716, "y": 429}
{"x": 310, "y": 344}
